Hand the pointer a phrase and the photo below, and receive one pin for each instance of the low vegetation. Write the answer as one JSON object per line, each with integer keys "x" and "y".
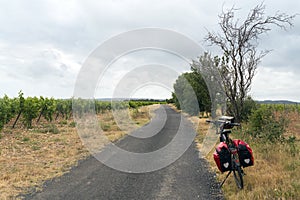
{"x": 29, "y": 155}
{"x": 273, "y": 132}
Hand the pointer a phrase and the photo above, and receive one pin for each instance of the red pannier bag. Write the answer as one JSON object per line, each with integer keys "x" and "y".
{"x": 245, "y": 153}
{"x": 222, "y": 157}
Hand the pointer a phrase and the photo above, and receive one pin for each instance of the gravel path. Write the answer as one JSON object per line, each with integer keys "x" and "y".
{"x": 187, "y": 178}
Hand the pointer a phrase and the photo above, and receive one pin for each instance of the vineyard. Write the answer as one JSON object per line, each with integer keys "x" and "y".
{"x": 283, "y": 107}
{"x": 39, "y": 140}
{"x": 25, "y": 111}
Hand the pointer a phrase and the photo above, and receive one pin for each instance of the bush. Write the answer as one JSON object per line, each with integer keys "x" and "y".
{"x": 264, "y": 124}
{"x": 25, "y": 139}
{"x": 51, "y": 128}
{"x": 105, "y": 127}
{"x": 72, "y": 124}
{"x": 63, "y": 122}
{"x": 249, "y": 106}
{"x": 133, "y": 104}
{"x": 292, "y": 147}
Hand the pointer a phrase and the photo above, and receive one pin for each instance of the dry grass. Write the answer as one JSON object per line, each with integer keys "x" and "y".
{"x": 127, "y": 121}
{"x": 275, "y": 174}
{"x": 29, "y": 157}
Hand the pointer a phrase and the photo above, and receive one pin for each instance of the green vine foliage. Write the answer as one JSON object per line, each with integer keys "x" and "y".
{"x": 48, "y": 108}
{"x": 29, "y": 109}
{"x": 265, "y": 124}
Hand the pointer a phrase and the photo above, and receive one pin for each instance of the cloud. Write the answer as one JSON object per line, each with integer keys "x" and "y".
{"x": 39, "y": 71}
{"x": 276, "y": 84}
{"x": 44, "y": 43}
{"x": 285, "y": 50}
{"x": 145, "y": 59}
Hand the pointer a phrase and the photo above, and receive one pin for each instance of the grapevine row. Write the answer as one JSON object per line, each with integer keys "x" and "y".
{"x": 282, "y": 107}
{"x": 27, "y": 110}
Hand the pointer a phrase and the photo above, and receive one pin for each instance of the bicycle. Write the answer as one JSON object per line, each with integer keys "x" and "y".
{"x": 223, "y": 127}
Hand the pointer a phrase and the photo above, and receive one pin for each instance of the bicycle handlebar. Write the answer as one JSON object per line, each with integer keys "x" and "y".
{"x": 223, "y": 122}
{"x": 235, "y": 124}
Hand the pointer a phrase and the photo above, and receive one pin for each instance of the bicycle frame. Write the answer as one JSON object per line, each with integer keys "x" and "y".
{"x": 235, "y": 160}
{"x": 235, "y": 157}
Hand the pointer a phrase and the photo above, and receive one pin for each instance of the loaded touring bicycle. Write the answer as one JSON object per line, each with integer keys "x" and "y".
{"x": 231, "y": 155}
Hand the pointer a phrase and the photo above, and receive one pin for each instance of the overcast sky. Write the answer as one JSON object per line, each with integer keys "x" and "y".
{"x": 43, "y": 43}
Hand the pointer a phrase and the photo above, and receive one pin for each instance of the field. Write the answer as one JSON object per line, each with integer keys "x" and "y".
{"x": 28, "y": 157}
{"x": 31, "y": 154}
{"x": 275, "y": 174}
{"x": 41, "y": 149}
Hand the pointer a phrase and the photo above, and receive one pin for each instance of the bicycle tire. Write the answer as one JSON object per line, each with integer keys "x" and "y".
{"x": 238, "y": 177}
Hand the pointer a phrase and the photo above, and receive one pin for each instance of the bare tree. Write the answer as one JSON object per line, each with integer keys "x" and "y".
{"x": 239, "y": 42}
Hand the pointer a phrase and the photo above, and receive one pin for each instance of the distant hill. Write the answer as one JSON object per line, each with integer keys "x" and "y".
{"x": 277, "y": 102}
{"x": 131, "y": 99}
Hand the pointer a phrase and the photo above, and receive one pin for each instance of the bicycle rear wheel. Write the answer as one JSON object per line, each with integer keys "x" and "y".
{"x": 238, "y": 177}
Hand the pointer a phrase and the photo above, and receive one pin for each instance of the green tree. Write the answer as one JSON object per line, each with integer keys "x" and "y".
{"x": 207, "y": 65}
{"x": 191, "y": 93}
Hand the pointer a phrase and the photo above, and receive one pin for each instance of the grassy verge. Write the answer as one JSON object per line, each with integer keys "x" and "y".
{"x": 29, "y": 157}
{"x": 275, "y": 174}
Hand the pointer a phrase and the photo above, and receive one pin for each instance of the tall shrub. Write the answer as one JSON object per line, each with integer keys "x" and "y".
{"x": 264, "y": 124}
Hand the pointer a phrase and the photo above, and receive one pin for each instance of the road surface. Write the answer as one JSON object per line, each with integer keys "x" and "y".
{"x": 187, "y": 178}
